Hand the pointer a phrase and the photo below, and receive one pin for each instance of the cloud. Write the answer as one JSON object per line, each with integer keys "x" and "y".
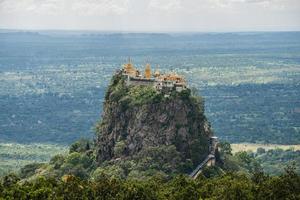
{"x": 247, "y": 1}
{"x": 57, "y": 7}
{"x": 165, "y": 5}
{"x": 101, "y": 7}
{"x": 271, "y": 4}
{"x": 159, "y": 15}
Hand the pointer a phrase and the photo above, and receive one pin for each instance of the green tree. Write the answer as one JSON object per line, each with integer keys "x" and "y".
{"x": 73, "y": 188}
{"x": 10, "y": 180}
{"x": 57, "y": 161}
{"x": 180, "y": 188}
{"x": 225, "y": 148}
{"x": 30, "y": 169}
{"x": 80, "y": 146}
{"x": 260, "y": 150}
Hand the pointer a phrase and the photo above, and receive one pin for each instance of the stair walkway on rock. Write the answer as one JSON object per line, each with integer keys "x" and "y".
{"x": 209, "y": 160}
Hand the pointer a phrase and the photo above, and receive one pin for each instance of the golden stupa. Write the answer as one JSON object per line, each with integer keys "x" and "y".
{"x": 148, "y": 71}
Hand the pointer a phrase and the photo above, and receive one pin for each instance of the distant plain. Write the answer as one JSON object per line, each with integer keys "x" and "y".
{"x": 52, "y": 84}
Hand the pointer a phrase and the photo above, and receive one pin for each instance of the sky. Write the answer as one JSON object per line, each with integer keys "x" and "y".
{"x": 151, "y": 15}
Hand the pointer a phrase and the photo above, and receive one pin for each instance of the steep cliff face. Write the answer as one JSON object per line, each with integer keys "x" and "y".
{"x": 138, "y": 120}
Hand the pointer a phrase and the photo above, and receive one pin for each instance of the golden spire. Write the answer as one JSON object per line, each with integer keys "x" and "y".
{"x": 129, "y": 68}
{"x": 148, "y": 71}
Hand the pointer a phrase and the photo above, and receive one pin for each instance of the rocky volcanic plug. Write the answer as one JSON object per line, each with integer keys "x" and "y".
{"x": 140, "y": 122}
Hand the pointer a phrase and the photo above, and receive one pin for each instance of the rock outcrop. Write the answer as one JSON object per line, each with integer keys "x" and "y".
{"x": 138, "y": 119}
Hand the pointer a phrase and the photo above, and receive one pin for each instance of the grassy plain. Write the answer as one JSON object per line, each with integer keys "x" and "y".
{"x": 253, "y": 147}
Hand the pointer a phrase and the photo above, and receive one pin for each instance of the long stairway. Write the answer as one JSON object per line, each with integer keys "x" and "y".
{"x": 209, "y": 159}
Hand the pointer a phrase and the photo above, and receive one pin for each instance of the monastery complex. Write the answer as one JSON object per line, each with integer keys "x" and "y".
{"x": 162, "y": 82}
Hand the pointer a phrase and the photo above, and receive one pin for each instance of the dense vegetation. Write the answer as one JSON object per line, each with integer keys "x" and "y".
{"x": 160, "y": 161}
{"x": 226, "y": 186}
{"x": 76, "y": 176}
{"x": 16, "y": 156}
{"x": 129, "y": 96}
{"x": 274, "y": 161}
{"x": 81, "y": 162}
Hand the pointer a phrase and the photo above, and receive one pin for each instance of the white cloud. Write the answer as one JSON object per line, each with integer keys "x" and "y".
{"x": 270, "y": 4}
{"x": 100, "y": 7}
{"x": 158, "y": 15}
{"x": 55, "y": 7}
{"x": 165, "y": 5}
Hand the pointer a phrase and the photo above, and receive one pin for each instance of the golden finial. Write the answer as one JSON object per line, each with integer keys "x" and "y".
{"x": 148, "y": 71}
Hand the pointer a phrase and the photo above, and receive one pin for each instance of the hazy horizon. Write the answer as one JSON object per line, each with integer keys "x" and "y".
{"x": 142, "y": 32}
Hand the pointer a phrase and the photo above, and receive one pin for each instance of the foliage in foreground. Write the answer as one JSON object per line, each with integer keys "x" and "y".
{"x": 81, "y": 162}
{"x": 225, "y": 186}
